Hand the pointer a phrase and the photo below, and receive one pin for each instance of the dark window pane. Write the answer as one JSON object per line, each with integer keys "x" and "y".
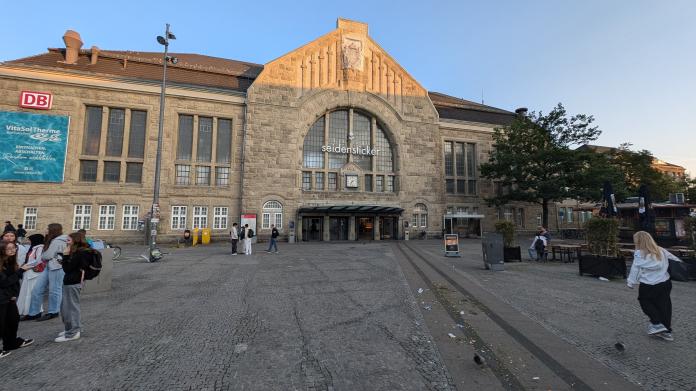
{"x": 319, "y": 180}
{"x": 362, "y": 140}
{"x": 472, "y": 187}
{"x": 449, "y": 162}
{"x": 136, "y": 141}
{"x": 222, "y": 176}
{"x": 459, "y": 158}
{"x": 88, "y": 170}
{"x": 205, "y": 139}
{"x": 449, "y": 186}
{"x": 203, "y": 175}
{"x": 183, "y": 174}
{"x": 224, "y": 141}
{"x": 306, "y": 181}
{"x": 461, "y": 186}
{"x": 93, "y": 124}
{"x": 183, "y": 151}
{"x": 333, "y": 182}
{"x": 368, "y": 182}
{"x": 338, "y": 137}
{"x": 471, "y": 160}
{"x": 313, "y": 157}
{"x": 114, "y": 132}
{"x": 390, "y": 184}
{"x": 134, "y": 172}
{"x": 112, "y": 171}
{"x": 385, "y": 161}
{"x": 379, "y": 183}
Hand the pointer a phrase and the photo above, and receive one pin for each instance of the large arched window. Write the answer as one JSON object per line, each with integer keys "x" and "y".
{"x": 420, "y": 216}
{"x": 272, "y": 213}
{"x": 347, "y": 136}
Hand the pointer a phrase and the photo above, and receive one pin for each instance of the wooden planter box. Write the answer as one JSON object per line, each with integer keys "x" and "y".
{"x": 602, "y": 266}
{"x": 512, "y": 254}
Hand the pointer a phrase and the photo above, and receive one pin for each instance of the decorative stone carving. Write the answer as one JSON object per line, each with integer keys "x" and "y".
{"x": 352, "y": 49}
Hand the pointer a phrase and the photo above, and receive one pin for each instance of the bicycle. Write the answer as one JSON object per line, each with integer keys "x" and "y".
{"x": 117, "y": 250}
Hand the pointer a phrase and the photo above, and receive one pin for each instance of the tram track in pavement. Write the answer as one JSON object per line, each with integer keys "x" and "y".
{"x": 493, "y": 358}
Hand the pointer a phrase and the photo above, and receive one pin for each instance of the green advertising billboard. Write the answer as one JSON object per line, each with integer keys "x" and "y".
{"x": 33, "y": 147}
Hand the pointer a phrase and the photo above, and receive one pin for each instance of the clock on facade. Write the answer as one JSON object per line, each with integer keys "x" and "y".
{"x": 351, "y": 181}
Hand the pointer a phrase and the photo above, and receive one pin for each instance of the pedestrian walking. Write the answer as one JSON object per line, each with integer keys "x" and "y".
{"x": 21, "y": 232}
{"x": 274, "y": 239}
{"x": 234, "y": 238}
{"x": 32, "y": 258}
{"x": 51, "y": 277}
{"x": 76, "y": 258}
{"x": 650, "y": 269}
{"x": 537, "y": 250}
{"x": 10, "y": 274}
{"x": 247, "y": 234}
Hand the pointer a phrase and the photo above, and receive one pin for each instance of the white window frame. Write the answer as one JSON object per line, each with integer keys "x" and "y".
{"x": 107, "y": 218}
{"x": 420, "y": 215}
{"x": 129, "y": 221}
{"x": 82, "y": 217}
{"x": 272, "y": 214}
{"x": 179, "y": 217}
{"x": 200, "y": 216}
{"x": 266, "y": 220}
{"x": 220, "y": 214}
{"x": 31, "y": 215}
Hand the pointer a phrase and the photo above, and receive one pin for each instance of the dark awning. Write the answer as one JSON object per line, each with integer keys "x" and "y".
{"x": 351, "y": 209}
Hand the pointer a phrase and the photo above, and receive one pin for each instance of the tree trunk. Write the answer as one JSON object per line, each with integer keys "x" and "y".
{"x": 545, "y": 213}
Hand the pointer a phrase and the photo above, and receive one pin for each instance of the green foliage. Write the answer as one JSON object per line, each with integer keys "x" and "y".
{"x": 636, "y": 168}
{"x": 690, "y": 226}
{"x": 603, "y": 236}
{"x": 507, "y": 228}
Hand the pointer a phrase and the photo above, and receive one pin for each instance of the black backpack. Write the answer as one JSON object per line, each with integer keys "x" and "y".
{"x": 250, "y": 233}
{"x": 94, "y": 265}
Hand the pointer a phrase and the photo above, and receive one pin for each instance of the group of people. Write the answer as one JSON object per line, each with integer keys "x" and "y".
{"x": 245, "y": 234}
{"x": 32, "y": 267}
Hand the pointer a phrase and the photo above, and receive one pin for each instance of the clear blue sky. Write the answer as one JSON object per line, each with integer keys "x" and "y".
{"x": 631, "y": 64}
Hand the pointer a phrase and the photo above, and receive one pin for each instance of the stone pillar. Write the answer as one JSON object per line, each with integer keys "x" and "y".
{"x": 326, "y": 233}
{"x": 298, "y": 229}
{"x": 375, "y": 228}
{"x": 351, "y": 228}
{"x": 400, "y": 227}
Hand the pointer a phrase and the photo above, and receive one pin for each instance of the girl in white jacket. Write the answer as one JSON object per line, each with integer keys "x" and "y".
{"x": 650, "y": 269}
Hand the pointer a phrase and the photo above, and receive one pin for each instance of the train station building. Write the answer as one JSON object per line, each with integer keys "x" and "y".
{"x": 332, "y": 141}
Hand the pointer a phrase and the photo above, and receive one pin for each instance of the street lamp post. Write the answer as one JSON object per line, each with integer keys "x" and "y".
{"x": 155, "y": 254}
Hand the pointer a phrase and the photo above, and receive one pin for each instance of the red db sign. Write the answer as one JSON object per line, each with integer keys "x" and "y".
{"x": 36, "y": 100}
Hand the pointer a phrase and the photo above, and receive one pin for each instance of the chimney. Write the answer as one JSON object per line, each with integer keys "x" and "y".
{"x": 73, "y": 43}
{"x": 95, "y": 55}
{"x": 522, "y": 112}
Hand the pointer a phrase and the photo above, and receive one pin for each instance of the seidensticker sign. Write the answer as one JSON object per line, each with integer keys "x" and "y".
{"x": 33, "y": 146}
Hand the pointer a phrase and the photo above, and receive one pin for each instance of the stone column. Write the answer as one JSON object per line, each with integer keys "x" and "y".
{"x": 375, "y": 228}
{"x": 400, "y": 227}
{"x": 326, "y": 233}
{"x": 351, "y": 228}
{"x": 298, "y": 229}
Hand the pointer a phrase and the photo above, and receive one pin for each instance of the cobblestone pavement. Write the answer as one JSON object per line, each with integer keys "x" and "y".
{"x": 314, "y": 317}
{"x": 592, "y": 315}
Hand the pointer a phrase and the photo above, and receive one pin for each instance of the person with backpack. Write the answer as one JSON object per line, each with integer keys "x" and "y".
{"x": 76, "y": 261}
{"x": 247, "y": 234}
{"x": 51, "y": 277}
{"x": 274, "y": 239}
{"x": 10, "y": 274}
{"x": 234, "y": 238}
{"x": 537, "y": 250}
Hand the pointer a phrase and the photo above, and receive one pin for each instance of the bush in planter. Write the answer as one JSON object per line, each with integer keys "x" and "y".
{"x": 507, "y": 229}
{"x": 602, "y": 236}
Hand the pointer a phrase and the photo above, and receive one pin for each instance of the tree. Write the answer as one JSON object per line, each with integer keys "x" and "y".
{"x": 533, "y": 160}
{"x": 637, "y": 169}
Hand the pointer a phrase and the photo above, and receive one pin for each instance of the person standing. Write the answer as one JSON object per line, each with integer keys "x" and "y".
{"x": 274, "y": 239}
{"x": 650, "y": 269}
{"x": 51, "y": 277}
{"x": 247, "y": 234}
{"x": 8, "y": 227}
{"x": 234, "y": 238}
{"x": 10, "y": 274}
{"x": 21, "y": 232}
{"x": 32, "y": 258}
{"x": 76, "y": 258}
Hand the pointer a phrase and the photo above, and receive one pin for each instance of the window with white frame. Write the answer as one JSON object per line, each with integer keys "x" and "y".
{"x": 420, "y": 216}
{"x": 272, "y": 214}
{"x": 82, "y": 217}
{"x": 220, "y": 217}
{"x": 130, "y": 217}
{"x": 107, "y": 217}
{"x": 30, "y": 216}
{"x": 179, "y": 217}
{"x": 200, "y": 217}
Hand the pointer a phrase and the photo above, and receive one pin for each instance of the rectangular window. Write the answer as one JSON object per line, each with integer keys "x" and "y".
{"x": 338, "y": 136}
{"x": 569, "y": 213}
{"x": 224, "y": 141}
{"x": 114, "y": 132}
{"x": 222, "y": 176}
{"x": 200, "y": 217}
{"x": 136, "y": 139}
{"x": 112, "y": 171}
{"x": 470, "y": 160}
{"x": 203, "y": 175}
{"x": 93, "y": 123}
{"x": 183, "y": 151}
{"x": 472, "y": 187}
{"x": 30, "y": 216}
{"x": 82, "y": 217}
{"x": 179, "y": 217}
{"x": 107, "y": 217}
{"x": 88, "y": 170}
{"x": 134, "y": 172}
{"x": 449, "y": 161}
{"x": 319, "y": 181}
{"x": 368, "y": 182}
{"x": 333, "y": 181}
{"x": 459, "y": 158}
{"x": 509, "y": 213}
{"x": 279, "y": 220}
{"x": 390, "y": 184}
{"x": 379, "y": 183}
{"x": 130, "y": 217}
{"x": 183, "y": 174}
{"x": 461, "y": 186}
{"x": 220, "y": 217}
{"x": 266, "y": 221}
{"x": 205, "y": 139}
{"x": 449, "y": 186}
{"x": 520, "y": 217}
{"x": 460, "y": 164}
{"x": 424, "y": 220}
{"x": 306, "y": 180}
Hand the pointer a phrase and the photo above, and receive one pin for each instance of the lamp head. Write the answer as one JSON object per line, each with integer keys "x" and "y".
{"x": 161, "y": 40}
{"x": 171, "y": 36}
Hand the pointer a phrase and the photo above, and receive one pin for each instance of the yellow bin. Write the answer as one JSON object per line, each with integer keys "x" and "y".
{"x": 205, "y": 238}
{"x": 195, "y": 237}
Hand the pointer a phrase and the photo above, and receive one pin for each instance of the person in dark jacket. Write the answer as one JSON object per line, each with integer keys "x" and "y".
{"x": 76, "y": 258}
{"x": 21, "y": 232}
{"x": 8, "y": 227}
{"x": 10, "y": 274}
{"x": 274, "y": 239}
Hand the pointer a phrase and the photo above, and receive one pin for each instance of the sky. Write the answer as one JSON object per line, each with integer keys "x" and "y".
{"x": 629, "y": 63}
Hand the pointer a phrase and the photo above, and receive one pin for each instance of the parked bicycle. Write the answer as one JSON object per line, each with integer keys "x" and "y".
{"x": 99, "y": 244}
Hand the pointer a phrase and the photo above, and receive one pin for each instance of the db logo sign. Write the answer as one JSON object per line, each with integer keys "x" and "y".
{"x": 36, "y": 100}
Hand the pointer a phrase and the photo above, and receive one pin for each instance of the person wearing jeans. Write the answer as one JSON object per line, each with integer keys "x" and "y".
{"x": 76, "y": 259}
{"x": 274, "y": 239}
{"x": 51, "y": 277}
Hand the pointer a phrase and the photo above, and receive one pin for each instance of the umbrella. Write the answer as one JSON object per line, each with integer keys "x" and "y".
{"x": 609, "y": 200}
{"x": 645, "y": 215}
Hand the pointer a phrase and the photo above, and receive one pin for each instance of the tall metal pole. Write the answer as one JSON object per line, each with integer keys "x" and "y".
{"x": 154, "y": 215}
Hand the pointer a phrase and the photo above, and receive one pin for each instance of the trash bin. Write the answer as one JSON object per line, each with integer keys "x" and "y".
{"x": 493, "y": 255}
{"x": 205, "y": 236}
{"x": 196, "y": 238}
{"x": 406, "y": 234}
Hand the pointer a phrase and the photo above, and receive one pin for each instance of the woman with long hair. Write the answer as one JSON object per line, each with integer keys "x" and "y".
{"x": 650, "y": 269}
{"x": 10, "y": 274}
{"x": 76, "y": 258}
{"x": 32, "y": 258}
{"x": 51, "y": 277}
